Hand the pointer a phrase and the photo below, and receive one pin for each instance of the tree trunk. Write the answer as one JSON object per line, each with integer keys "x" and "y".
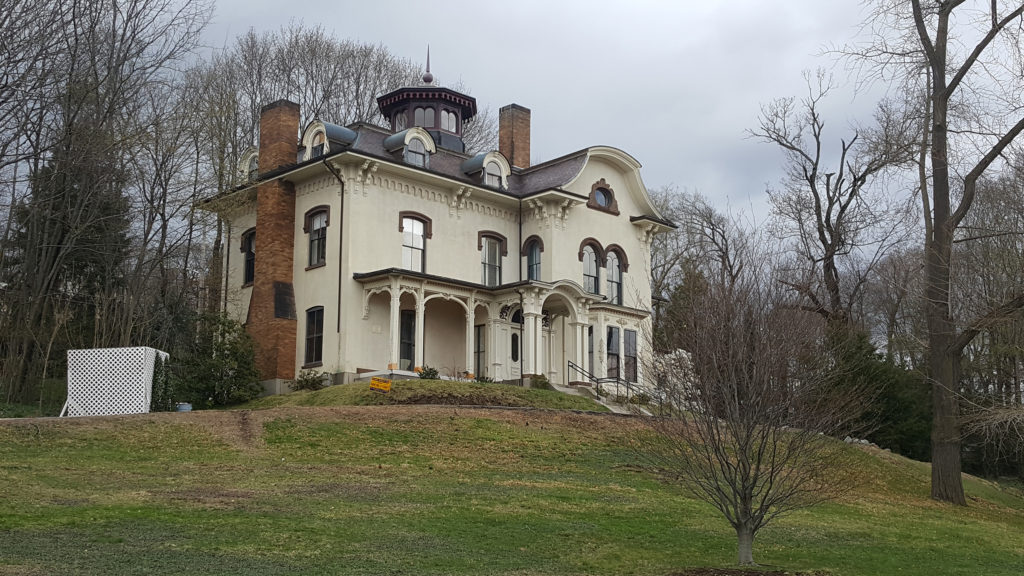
{"x": 745, "y": 540}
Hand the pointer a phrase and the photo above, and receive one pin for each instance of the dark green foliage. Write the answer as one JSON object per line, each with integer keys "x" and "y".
{"x": 220, "y": 370}
{"x": 484, "y": 379}
{"x": 162, "y": 399}
{"x": 428, "y": 373}
{"x": 310, "y": 380}
{"x": 899, "y": 417}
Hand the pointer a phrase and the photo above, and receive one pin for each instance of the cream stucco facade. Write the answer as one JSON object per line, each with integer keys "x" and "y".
{"x": 385, "y": 304}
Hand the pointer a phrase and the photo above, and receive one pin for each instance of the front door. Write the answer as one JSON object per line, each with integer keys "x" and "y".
{"x": 407, "y": 347}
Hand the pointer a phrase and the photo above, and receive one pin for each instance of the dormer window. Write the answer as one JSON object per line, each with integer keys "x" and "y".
{"x": 449, "y": 121}
{"x": 416, "y": 153}
{"x": 253, "y": 168}
{"x": 423, "y": 117}
{"x": 492, "y": 175}
{"x": 318, "y": 145}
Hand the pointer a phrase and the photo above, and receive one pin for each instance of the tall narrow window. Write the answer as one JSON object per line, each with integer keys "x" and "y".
{"x": 314, "y": 336}
{"x": 479, "y": 351}
{"x": 515, "y": 347}
{"x": 413, "y": 245}
{"x": 590, "y": 270}
{"x": 613, "y": 352}
{"x": 533, "y": 261}
{"x": 249, "y": 250}
{"x": 614, "y": 272}
{"x": 316, "y": 227}
{"x": 417, "y": 117}
{"x": 416, "y": 153}
{"x": 490, "y": 260}
{"x": 428, "y": 118}
{"x": 590, "y": 350}
{"x": 407, "y": 340}
{"x": 400, "y": 121}
{"x": 630, "y": 355}
{"x": 492, "y": 175}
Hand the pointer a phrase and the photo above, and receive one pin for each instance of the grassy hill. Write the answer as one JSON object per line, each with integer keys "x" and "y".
{"x": 431, "y": 392}
{"x": 436, "y": 490}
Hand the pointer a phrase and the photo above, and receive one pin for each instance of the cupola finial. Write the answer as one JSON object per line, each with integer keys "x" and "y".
{"x": 428, "y": 77}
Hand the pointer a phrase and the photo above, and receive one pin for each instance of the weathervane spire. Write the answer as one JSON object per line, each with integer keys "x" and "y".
{"x": 428, "y": 77}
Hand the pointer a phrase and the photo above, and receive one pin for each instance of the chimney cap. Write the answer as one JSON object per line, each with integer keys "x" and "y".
{"x": 278, "y": 104}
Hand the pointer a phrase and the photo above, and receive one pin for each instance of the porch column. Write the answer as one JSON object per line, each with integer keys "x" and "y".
{"x": 495, "y": 350}
{"x": 420, "y": 312}
{"x": 470, "y": 333}
{"x": 529, "y": 344}
{"x": 579, "y": 352}
{"x": 395, "y": 328}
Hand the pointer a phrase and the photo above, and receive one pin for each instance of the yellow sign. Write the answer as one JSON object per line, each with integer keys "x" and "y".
{"x": 378, "y": 384}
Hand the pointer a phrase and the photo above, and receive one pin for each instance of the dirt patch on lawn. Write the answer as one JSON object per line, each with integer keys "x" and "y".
{"x": 738, "y": 572}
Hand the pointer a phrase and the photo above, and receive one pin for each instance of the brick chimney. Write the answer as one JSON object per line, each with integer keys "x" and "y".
{"x": 514, "y": 134}
{"x": 272, "y": 319}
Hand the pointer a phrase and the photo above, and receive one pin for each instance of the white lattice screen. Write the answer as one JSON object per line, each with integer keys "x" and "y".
{"x": 106, "y": 381}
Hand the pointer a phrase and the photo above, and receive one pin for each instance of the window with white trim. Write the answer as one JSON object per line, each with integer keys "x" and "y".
{"x": 490, "y": 261}
{"x": 414, "y": 248}
{"x": 416, "y": 153}
{"x": 317, "y": 226}
{"x": 590, "y": 274}
{"x": 614, "y": 272}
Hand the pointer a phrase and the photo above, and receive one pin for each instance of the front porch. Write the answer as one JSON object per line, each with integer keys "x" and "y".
{"x": 505, "y": 334}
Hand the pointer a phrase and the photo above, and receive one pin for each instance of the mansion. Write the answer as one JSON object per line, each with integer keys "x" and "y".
{"x": 356, "y": 249}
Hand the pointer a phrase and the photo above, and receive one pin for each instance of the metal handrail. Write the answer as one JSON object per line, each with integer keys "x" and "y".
{"x": 597, "y": 382}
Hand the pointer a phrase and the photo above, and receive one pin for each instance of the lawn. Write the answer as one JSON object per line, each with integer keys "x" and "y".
{"x": 436, "y": 490}
{"x": 431, "y": 392}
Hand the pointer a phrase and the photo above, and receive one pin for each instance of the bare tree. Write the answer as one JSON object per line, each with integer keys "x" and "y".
{"x": 838, "y": 217}
{"x": 749, "y": 408}
{"x": 967, "y": 57}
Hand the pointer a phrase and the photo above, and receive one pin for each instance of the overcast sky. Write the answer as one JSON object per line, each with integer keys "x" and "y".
{"x": 673, "y": 83}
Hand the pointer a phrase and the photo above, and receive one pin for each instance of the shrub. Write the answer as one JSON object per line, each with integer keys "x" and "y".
{"x": 162, "y": 399}
{"x": 541, "y": 382}
{"x": 484, "y": 379}
{"x": 310, "y": 380}
{"x": 428, "y": 373}
{"x": 220, "y": 368}
{"x": 641, "y": 398}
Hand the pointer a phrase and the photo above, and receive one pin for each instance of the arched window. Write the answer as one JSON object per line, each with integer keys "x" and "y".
{"x": 414, "y": 247}
{"x": 254, "y": 166}
{"x": 417, "y": 117}
{"x": 317, "y": 145}
{"x": 492, "y": 175}
{"x": 533, "y": 260}
{"x": 400, "y": 121}
{"x": 428, "y": 118}
{"x": 416, "y": 153}
{"x": 614, "y": 273}
{"x": 449, "y": 121}
{"x": 316, "y": 226}
{"x": 249, "y": 259}
{"x": 590, "y": 277}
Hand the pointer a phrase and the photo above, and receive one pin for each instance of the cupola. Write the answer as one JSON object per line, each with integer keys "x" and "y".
{"x": 440, "y": 111}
